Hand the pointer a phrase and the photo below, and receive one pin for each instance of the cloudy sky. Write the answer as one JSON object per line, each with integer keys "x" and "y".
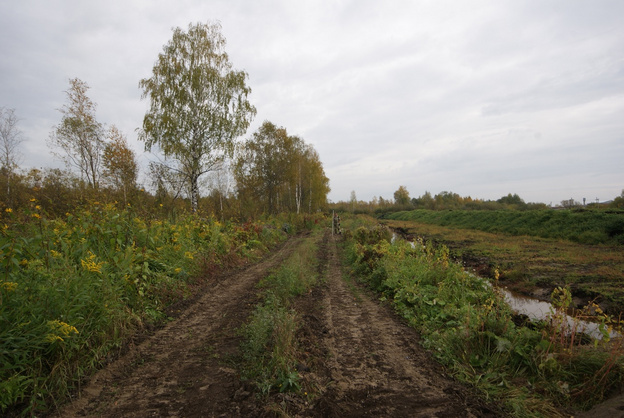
{"x": 480, "y": 98}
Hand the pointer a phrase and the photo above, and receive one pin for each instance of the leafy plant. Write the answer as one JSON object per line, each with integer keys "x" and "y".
{"x": 469, "y": 327}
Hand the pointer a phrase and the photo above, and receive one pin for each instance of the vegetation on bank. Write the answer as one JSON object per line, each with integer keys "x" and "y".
{"x": 583, "y": 226}
{"x": 532, "y": 369}
{"x": 529, "y": 264}
{"x": 74, "y": 288}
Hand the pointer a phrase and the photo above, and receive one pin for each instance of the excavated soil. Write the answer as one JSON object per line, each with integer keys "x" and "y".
{"x": 358, "y": 359}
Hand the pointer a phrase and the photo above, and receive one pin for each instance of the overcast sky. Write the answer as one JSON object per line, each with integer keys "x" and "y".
{"x": 479, "y": 98}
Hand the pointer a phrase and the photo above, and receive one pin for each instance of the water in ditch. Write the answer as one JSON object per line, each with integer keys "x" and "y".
{"x": 538, "y": 310}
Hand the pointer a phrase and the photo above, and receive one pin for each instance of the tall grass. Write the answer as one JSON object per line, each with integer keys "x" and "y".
{"x": 584, "y": 226}
{"x": 535, "y": 370}
{"x": 269, "y": 349}
{"x": 73, "y": 289}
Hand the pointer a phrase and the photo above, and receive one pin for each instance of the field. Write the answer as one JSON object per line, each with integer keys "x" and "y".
{"x": 194, "y": 317}
{"x": 529, "y": 264}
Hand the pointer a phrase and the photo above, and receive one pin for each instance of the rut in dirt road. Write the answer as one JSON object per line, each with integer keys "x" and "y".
{"x": 376, "y": 366}
{"x": 358, "y": 358}
{"x": 182, "y": 369}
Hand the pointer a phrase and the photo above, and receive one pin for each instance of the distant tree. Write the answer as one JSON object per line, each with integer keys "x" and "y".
{"x": 120, "y": 166}
{"x": 353, "y": 200}
{"x": 221, "y": 182}
{"x": 570, "y": 203}
{"x": 198, "y": 103}
{"x": 80, "y": 135}
{"x": 10, "y": 140}
{"x": 427, "y": 200}
{"x": 447, "y": 200}
{"x": 401, "y": 196}
{"x": 511, "y": 200}
{"x": 618, "y": 202}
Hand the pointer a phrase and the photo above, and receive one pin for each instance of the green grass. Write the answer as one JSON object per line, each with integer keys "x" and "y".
{"x": 269, "y": 349}
{"x": 583, "y": 226}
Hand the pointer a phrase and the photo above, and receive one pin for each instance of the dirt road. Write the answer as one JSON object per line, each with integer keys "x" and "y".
{"x": 360, "y": 358}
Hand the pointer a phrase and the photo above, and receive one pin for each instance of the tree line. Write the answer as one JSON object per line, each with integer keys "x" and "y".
{"x": 198, "y": 108}
{"x": 445, "y": 200}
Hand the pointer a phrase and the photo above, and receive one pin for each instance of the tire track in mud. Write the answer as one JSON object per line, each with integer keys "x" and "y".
{"x": 376, "y": 365}
{"x": 360, "y": 357}
{"x": 182, "y": 369}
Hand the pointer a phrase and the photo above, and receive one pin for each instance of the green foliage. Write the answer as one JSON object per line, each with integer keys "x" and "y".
{"x": 269, "y": 349}
{"x": 198, "y": 103}
{"x": 587, "y": 227}
{"x": 401, "y": 196}
{"x": 276, "y": 172}
{"x": 72, "y": 289}
{"x": 469, "y": 327}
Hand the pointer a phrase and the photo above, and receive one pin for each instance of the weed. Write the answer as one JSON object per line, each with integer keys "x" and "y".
{"x": 72, "y": 289}
{"x": 269, "y": 348}
{"x": 468, "y": 326}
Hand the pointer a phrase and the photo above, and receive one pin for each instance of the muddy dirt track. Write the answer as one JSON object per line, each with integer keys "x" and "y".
{"x": 358, "y": 356}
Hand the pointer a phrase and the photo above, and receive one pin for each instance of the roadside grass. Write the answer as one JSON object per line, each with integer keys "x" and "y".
{"x": 73, "y": 289}
{"x": 269, "y": 350}
{"x": 537, "y": 370}
{"x": 525, "y": 263}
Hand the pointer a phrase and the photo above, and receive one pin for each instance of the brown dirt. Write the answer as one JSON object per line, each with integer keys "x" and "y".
{"x": 358, "y": 359}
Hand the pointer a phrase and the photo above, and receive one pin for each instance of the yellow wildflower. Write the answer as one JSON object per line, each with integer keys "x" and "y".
{"x": 60, "y": 330}
{"x": 33, "y": 199}
{"x": 9, "y": 286}
{"x": 8, "y": 210}
{"x": 177, "y": 270}
{"x": 36, "y": 216}
{"x": 90, "y": 263}
{"x": 188, "y": 255}
{"x": 38, "y": 207}
{"x": 52, "y": 338}
{"x": 55, "y": 254}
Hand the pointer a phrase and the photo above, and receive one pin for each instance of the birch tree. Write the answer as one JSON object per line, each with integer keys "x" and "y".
{"x": 10, "y": 140}
{"x": 80, "y": 135}
{"x": 198, "y": 103}
{"x": 279, "y": 172}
